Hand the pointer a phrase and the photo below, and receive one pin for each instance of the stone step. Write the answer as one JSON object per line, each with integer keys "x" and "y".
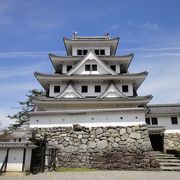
{"x": 164, "y": 168}
{"x": 169, "y": 160}
{"x": 164, "y": 155}
{"x": 160, "y": 158}
{"x": 170, "y": 164}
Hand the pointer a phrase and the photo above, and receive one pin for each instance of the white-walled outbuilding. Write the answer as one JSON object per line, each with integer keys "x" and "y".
{"x": 15, "y": 156}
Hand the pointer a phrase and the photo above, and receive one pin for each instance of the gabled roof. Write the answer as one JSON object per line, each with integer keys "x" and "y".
{"x": 89, "y": 42}
{"x": 112, "y": 91}
{"x": 124, "y": 60}
{"x": 69, "y": 92}
{"x": 91, "y": 56}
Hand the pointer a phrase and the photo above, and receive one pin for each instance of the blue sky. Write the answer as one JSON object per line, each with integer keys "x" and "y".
{"x": 29, "y": 30}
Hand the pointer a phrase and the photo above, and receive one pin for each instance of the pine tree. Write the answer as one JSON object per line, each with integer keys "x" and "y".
{"x": 22, "y": 117}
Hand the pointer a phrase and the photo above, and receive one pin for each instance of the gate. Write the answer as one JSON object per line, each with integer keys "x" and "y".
{"x": 43, "y": 157}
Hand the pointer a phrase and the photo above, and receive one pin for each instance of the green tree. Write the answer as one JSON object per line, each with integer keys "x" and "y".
{"x": 22, "y": 117}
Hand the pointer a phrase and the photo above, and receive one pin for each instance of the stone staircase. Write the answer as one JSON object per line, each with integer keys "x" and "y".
{"x": 168, "y": 162}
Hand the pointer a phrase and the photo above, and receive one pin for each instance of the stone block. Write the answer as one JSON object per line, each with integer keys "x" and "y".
{"x": 111, "y": 139}
{"x": 124, "y": 137}
{"x": 102, "y": 144}
{"x": 135, "y": 135}
{"x": 99, "y": 131}
{"x": 122, "y": 131}
{"x": 84, "y": 141}
{"x": 115, "y": 145}
{"x": 91, "y": 144}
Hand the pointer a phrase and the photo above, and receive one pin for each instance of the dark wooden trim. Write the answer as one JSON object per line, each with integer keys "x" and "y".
{"x": 24, "y": 158}
{"x": 5, "y": 167}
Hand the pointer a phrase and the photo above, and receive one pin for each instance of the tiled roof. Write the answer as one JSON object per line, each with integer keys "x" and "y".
{"x": 159, "y": 109}
{"x": 17, "y": 145}
{"x": 84, "y": 111}
{"x": 156, "y": 129}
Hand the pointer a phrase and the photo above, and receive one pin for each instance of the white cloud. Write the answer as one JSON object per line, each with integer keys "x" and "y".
{"x": 4, "y": 120}
{"x": 27, "y": 54}
{"x": 149, "y": 26}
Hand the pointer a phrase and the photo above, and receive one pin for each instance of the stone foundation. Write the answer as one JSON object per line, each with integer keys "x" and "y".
{"x": 101, "y": 147}
{"x": 172, "y": 141}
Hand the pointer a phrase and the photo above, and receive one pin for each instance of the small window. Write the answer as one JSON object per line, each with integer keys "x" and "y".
{"x": 97, "y": 89}
{"x": 56, "y": 89}
{"x": 148, "y": 121}
{"x": 154, "y": 121}
{"x": 87, "y": 67}
{"x": 79, "y": 52}
{"x": 102, "y": 52}
{"x": 121, "y": 117}
{"x": 174, "y": 120}
{"x": 84, "y": 89}
{"x": 113, "y": 67}
{"x": 69, "y": 67}
{"x": 96, "y": 51}
{"x": 94, "y": 67}
{"x": 125, "y": 88}
{"x": 85, "y": 51}
{"x": 19, "y": 139}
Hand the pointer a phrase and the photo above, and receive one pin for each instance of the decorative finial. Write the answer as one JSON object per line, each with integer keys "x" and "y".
{"x": 75, "y": 34}
{"x": 106, "y": 35}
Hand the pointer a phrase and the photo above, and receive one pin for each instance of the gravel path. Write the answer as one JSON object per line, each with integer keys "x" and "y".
{"x": 101, "y": 175}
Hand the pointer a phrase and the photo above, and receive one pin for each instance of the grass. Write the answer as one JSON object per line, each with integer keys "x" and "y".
{"x": 63, "y": 169}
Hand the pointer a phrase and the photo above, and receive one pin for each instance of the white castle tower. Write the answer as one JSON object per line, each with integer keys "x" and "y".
{"x": 91, "y": 87}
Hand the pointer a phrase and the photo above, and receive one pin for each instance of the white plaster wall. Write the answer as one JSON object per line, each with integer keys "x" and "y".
{"x": 51, "y": 89}
{"x": 64, "y": 67}
{"x": 28, "y": 160}
{"x": 117, "y": 66}
{"x": 100, "y": 69}
{"x": 170, "y": 128}
{"x": 90, "y": 119}
{"x": 74, "y": 50}
{"x": 130, "y": 87}
{"x": 15, "y": 159}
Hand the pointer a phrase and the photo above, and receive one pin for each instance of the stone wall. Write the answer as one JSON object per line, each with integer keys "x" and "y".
{"x": 101, "y": 147}
{"x": 172, "y": 141}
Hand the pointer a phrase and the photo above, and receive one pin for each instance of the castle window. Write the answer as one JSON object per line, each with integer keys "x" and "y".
{"x": 148, "y": 121}
{"x": 81, "y": 52}
{"x": 56, "y": 89}
{"x": 97, "y": 89}
{"x": 99, "y": 52}
{"x": 174, "y": 120}
{"x": 87, "y": 67}
{"x": 94, "y": 67}
{"x": 84, "y": 89}
{"x": 85, "y": 51}
{"x": 102, "y": 52}
{"x": 113, "y": 67}
{"x": 125, "y": 88}
{"x": 154, "y": 121}
{"x": 69, "y": 67}
{"x": 96, "y": 51}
